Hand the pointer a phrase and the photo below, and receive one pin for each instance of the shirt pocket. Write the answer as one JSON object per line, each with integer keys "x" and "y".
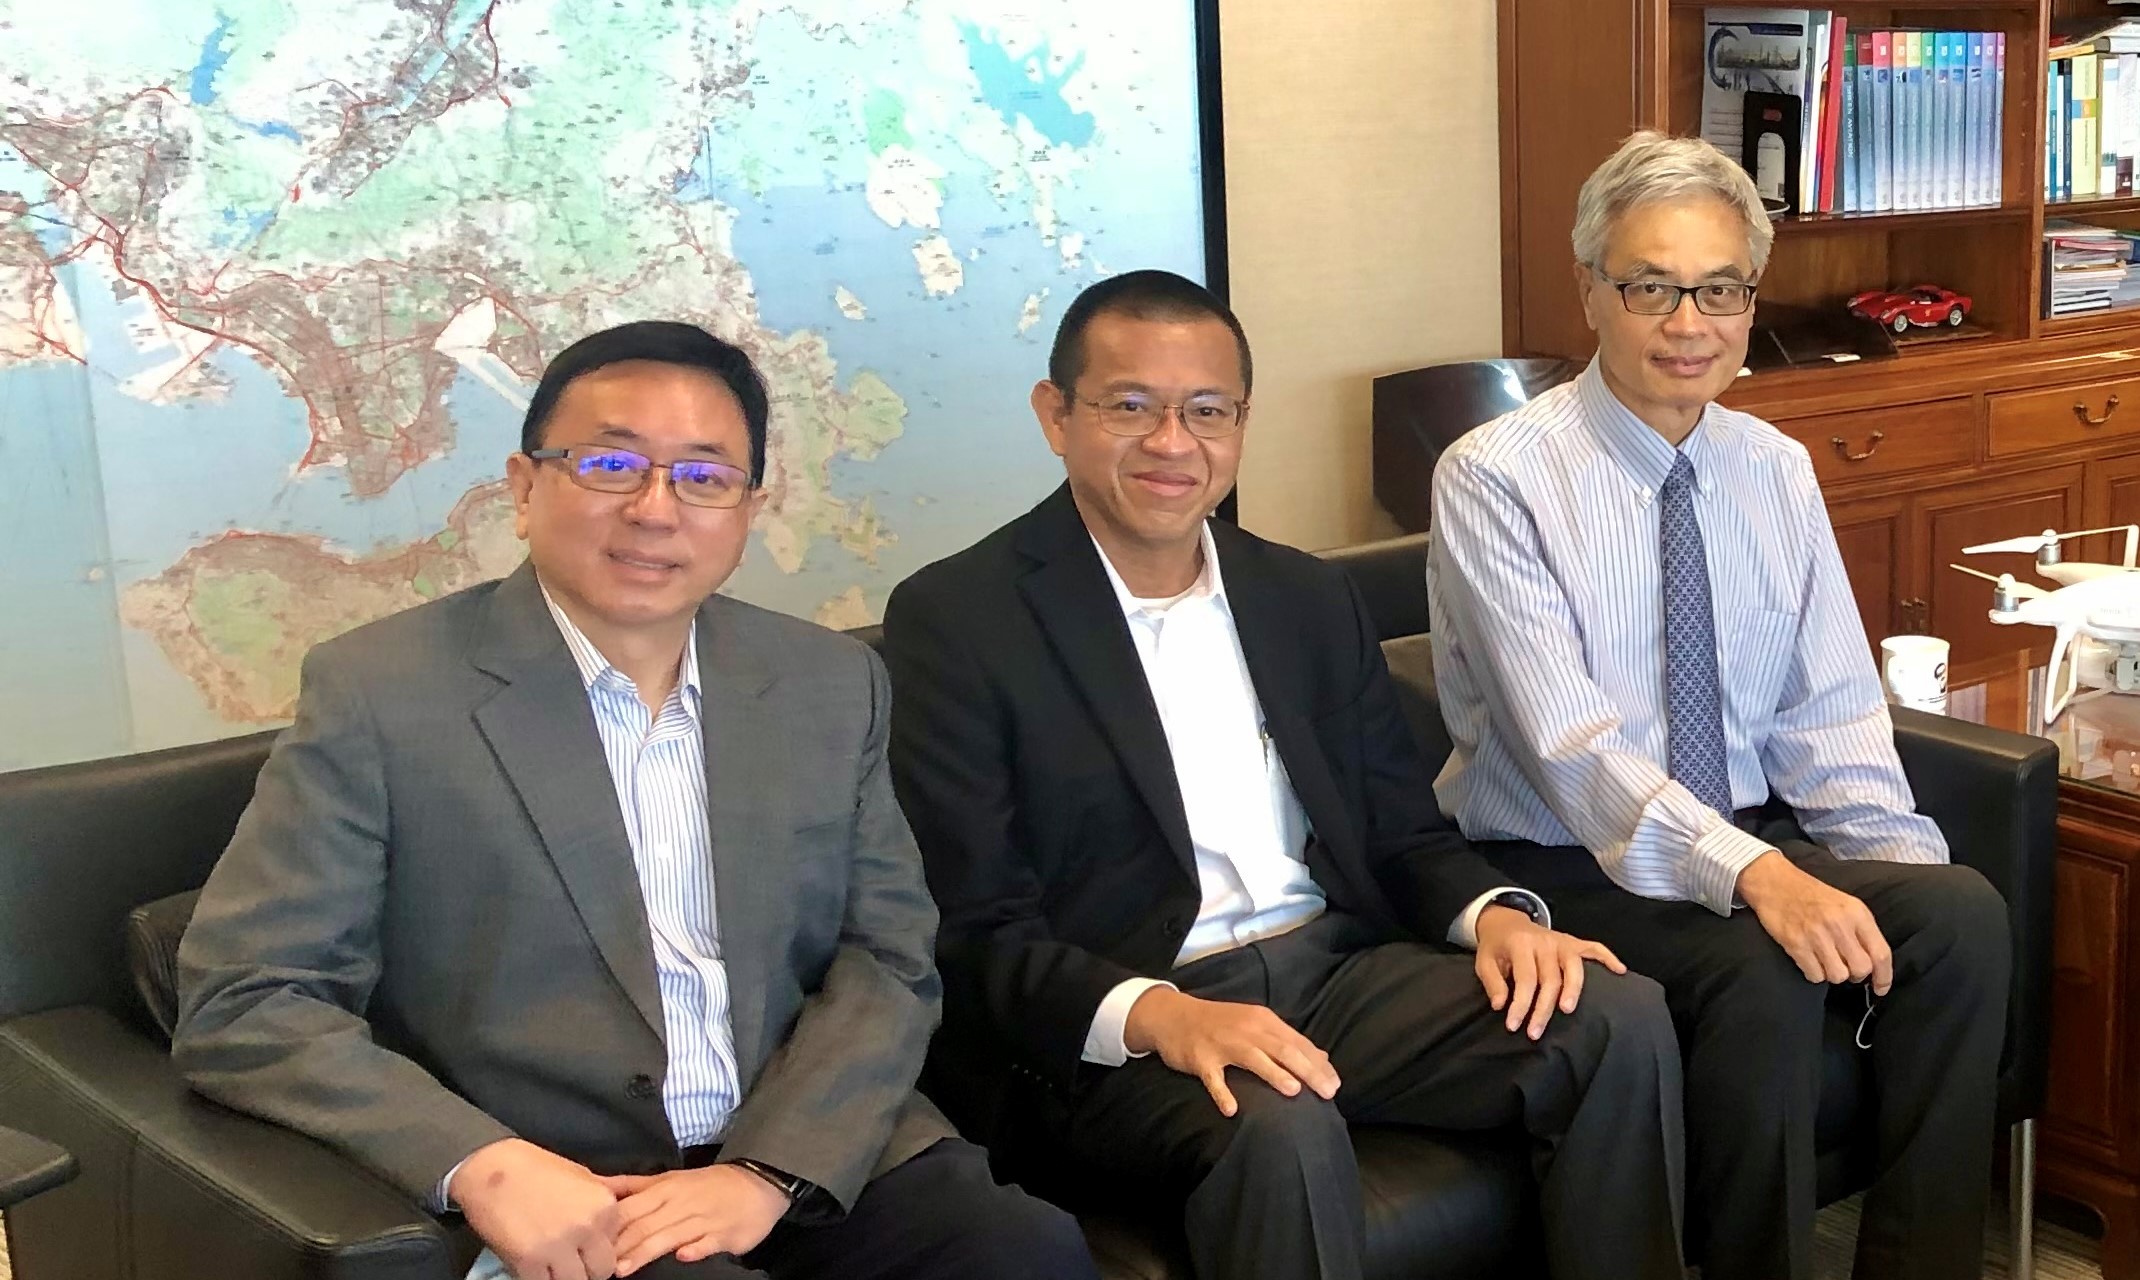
{"x": 1755, "y": 660}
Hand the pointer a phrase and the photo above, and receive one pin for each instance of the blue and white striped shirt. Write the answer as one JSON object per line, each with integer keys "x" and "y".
{"x": 658, "y": 764}
{"x": 1548, "y": 633}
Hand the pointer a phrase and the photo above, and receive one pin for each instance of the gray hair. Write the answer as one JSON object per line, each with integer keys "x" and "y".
{"x": 1650, "y": 168}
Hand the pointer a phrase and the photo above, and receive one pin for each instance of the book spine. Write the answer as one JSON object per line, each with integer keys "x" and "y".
{"x": 1847, "y": 153}
{"x": 1832, "y": 110}
{"x": 1945, "y": 120}
{"x": 1976, "y": 180}
{"x": 2128, "y": 120}
{"x": 2108, "y": 117}
{"x": 1996, "y": 51}
{"x": 1867, "y": 184}
{"x": 1909, "y": 77}
{"x": 1812, "y": 79}
{"x": 1883, "y": 112}
{"x": 2084, "y": 161}
{"x": 1927, "y": 131}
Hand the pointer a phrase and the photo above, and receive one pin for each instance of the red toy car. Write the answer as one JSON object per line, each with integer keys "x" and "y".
{"x": 1926, "y": 305}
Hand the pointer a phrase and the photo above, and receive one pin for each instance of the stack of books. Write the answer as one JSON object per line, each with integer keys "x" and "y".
{"x": 1888, "y": 120}
{"x": 2092, "y": 114}
{"x": 2087, "y": 268}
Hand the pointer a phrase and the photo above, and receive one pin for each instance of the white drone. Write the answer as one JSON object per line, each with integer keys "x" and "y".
{"x": 2095, "y": 611}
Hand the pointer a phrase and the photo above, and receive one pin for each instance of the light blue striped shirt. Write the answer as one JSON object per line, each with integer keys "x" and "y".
{"x": 658, "y": 765}
{"x": 1548, "y": 635}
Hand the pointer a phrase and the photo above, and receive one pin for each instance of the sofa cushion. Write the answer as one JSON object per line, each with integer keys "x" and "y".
{"x": 1411, "y": 663}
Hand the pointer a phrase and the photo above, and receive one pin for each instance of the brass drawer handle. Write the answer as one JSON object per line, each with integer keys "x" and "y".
{"x": 2080, "y": 411}
{"x": 1871, "y": 445}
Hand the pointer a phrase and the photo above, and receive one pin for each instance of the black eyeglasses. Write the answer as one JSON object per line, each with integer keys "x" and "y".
{"x": 700, "y": 482}
{"x": 1661, "y": 298}
{"x": 1132, "y": 413}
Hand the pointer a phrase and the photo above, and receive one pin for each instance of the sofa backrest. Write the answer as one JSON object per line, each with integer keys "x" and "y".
{"x": 81, "y": 845}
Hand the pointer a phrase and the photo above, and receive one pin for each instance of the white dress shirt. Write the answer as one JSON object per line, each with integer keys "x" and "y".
{"x": 657, "y": 763}
{"x": 1548, "y": 633}
{"x": 1246, "y": 824}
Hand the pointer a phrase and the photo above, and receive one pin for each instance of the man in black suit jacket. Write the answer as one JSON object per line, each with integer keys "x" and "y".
{"x": 1184, "y": 846}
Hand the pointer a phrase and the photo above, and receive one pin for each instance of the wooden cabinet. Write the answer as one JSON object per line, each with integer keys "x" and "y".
{"x": 2091, "y": 1123}
{"x": 1965, "y": 515}
{"x": 1873, "y": 534}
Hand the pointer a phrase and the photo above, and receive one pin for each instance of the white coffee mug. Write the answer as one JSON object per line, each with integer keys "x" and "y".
{"x": 1914, "y": 668}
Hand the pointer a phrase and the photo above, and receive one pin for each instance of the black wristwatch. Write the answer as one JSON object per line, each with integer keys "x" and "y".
{"x": 792, "y": 1187}
{"x": 1523, "y": 902}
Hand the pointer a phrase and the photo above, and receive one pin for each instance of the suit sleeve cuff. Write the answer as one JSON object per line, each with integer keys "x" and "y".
{"x": 1718, "y": 856}
{"x": 1464, "y": 931}
{"x": 1103, "y": 1040}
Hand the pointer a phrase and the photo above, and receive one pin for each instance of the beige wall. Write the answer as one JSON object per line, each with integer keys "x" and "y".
{"x": 1363, "y": 211}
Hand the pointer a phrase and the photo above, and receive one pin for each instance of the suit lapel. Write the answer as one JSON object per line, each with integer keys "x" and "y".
{"x": 1274, "y": 647}
{"x": 747, "y": 782}
{"x": 542, "y": 731}
{"x": 1079, "y": 614}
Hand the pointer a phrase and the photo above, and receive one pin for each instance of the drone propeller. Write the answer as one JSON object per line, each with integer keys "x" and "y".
{"x": 2035, "y": 542}
{"x": 2006, "y": 583}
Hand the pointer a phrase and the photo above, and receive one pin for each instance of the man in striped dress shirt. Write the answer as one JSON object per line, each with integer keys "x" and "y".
{"x": 1666, "y": 720}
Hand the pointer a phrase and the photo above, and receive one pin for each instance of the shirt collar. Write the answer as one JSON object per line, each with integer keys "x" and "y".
{"x": 1209, "y": 584}
{"x": 594, "y": 668}
{"x": 1635, "y": 445}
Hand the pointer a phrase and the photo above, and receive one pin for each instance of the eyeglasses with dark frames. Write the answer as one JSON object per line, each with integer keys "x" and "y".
{"x": 698, "y": 482}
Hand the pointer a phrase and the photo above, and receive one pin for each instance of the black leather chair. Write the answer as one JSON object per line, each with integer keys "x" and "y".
{"x": 1421, "y": 412}
{"x": 92, "y": 855}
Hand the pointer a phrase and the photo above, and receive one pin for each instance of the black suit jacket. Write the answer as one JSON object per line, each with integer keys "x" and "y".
{"x": 1027, "y": 752}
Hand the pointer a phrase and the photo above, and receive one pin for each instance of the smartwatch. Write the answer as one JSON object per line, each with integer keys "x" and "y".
{"x": 1515, "y": 901}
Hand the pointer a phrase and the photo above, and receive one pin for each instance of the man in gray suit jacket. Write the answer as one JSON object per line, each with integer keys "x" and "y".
{"x": 579, "y": 903}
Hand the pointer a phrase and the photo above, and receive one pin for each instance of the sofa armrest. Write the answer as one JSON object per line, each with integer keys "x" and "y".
{"x": 173, "y": 1185}
{"x": 1994, "y": 794}
{"x": 28, "y": 1165}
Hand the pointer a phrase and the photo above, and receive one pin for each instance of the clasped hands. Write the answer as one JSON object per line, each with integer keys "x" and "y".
{"x": 549, "y": 1218}
{"x": 1528, "y": 971}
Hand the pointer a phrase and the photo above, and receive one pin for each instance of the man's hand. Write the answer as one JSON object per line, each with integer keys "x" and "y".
{"x": 544, "y": 1216}
{"x": 1202, "y": 1038}
{"x": 1829, "y": 934}
{"x": 1529, "y": 970}
{"x": 693, "y": 1213}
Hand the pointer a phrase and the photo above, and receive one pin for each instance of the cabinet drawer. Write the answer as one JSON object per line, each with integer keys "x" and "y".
{"x": 1863, "y": 444}
{"x": 2025, "y": 421}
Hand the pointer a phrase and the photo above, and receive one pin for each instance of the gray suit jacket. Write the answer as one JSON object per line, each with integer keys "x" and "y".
{"x": 427, "y": 933}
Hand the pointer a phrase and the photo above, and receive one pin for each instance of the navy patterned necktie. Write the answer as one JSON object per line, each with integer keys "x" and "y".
{"x": 1693, "y": 699}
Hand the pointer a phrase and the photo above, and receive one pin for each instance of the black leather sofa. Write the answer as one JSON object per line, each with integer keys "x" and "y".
{"x": 96, "y": 860}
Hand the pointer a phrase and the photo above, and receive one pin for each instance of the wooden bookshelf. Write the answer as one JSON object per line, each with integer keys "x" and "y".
{"x": 2033, "y": 425}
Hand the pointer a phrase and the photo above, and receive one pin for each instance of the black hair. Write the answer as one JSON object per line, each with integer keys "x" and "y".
{"x": 665, "y": 342}
{"x": 1140, "y": 295}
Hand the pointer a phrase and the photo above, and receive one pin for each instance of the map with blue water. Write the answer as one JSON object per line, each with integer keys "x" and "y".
{"x": 276, "y": 281}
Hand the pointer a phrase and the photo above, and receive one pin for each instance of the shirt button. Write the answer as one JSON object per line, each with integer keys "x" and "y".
{"x": 640, "y": 1086}
{"x": 1177, "y": 923}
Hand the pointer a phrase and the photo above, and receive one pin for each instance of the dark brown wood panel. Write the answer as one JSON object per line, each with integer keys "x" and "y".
{"x": 1962, "y": 515}
{"x": 1873, "y": 537}
{"x": 2087, "y": 1086}
{"x": 2113, "y": 498}
{"x": 1555, "y": 148}
{"x": 1851, "y": 448}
